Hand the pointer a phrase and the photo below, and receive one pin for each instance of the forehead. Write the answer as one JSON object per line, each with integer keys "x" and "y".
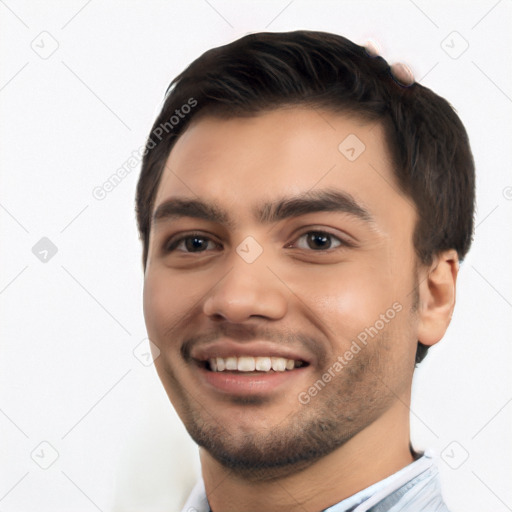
{"x": 240, "y": 162}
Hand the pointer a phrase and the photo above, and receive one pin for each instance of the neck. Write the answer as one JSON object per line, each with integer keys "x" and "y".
{"x": 373, "y": 454}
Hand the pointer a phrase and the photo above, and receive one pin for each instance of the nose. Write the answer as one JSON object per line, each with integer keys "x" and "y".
{"x": 246, "y": 290}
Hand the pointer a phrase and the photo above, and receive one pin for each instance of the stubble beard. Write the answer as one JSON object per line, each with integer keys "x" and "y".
{"x": 354, "y": 399}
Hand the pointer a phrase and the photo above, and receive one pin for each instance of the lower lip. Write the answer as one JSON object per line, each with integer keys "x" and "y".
{"x": 243, "y": 384}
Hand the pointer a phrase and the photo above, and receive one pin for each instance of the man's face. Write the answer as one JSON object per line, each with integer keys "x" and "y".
{"x": 245, "y": 281}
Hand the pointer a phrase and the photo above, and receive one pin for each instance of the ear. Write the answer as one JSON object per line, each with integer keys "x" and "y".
{"x": 437, "y": 297}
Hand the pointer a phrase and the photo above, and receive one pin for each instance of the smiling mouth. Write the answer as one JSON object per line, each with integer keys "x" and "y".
{"x": 252, "y": 364}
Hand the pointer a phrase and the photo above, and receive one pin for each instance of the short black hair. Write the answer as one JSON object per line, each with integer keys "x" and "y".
{"x": 259, "y": 72}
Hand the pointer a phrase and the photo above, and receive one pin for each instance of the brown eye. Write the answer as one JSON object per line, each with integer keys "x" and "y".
{"x": 196, "y": 243}
{"x": 193, "y": 243}
{"x": 319, "y": 241}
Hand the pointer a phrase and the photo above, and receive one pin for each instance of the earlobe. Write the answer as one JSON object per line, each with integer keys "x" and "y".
{"x": 437, "y": 297}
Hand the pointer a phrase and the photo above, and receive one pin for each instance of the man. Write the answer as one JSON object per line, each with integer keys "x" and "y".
{"x": 303, "y": 215}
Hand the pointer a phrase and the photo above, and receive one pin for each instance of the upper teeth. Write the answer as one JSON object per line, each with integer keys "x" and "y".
{"x": 250, "y": 364}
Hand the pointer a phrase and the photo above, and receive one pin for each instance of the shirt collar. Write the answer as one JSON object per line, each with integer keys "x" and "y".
{"x": 359, "y": 502}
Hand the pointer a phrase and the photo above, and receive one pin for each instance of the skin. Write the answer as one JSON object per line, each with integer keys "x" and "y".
{"x": 270, "y": 451}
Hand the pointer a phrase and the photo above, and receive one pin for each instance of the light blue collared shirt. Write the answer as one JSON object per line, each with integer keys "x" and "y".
{"x": 414, "y": 488}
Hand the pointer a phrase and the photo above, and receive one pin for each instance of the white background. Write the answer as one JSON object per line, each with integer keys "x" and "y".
{"x": 68, "y": 374}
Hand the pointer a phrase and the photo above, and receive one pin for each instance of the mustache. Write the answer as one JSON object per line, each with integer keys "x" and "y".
{"x": 246, "y": 333}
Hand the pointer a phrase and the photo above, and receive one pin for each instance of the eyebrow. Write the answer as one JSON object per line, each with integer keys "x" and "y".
{"x": 327, "y": 200}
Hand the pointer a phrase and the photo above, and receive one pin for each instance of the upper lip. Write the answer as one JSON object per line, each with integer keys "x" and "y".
{"x": 229, "y": 348}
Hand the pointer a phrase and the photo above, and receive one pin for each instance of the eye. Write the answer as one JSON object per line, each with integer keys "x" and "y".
{"x": 191, "y": 243}
{"x": 320, "y": 241}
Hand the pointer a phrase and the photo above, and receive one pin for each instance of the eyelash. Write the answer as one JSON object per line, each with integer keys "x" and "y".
{"x": 171, "y": 245}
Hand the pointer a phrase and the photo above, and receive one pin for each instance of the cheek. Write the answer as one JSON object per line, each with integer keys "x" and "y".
{"x": 160, "y": 306}
{"x": 347, "y": 302}
{"x": 163, "y": 312}
{"x": 172, "y": 303}
{"x": 345, "y": 310}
